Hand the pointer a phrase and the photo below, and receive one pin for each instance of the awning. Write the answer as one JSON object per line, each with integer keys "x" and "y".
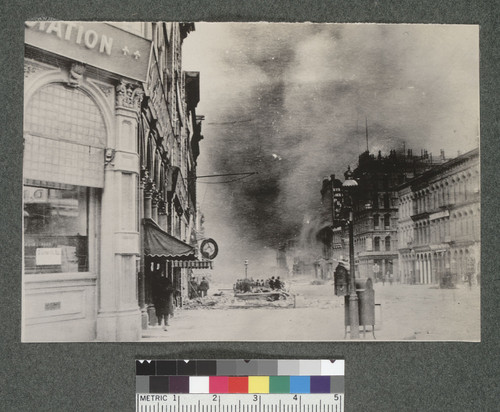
{"x": 192, "y": 264}
{"x": 158, "y": 243}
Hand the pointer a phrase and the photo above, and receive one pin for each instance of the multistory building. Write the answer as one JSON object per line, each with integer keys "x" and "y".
{"x": 439, "y": 222}
{"x": 375, "y": 202}
{"x": 111, "y": 139}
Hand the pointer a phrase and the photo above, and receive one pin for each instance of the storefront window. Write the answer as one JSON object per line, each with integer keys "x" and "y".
{"x": 56, "y": 229}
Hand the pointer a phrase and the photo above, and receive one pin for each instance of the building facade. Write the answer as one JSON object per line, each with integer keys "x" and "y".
{"x": 169, "y": 148}
{"x": 102, "y": 150}
{"x": 439, "y": 223}
{"x": 375, "y": 203}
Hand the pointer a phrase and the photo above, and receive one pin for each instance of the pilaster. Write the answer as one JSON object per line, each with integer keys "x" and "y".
{"x": 119, "y": 316}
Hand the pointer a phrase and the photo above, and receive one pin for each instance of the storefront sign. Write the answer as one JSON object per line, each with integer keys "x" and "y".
{"x": 97, "y": 44}
{"x": 48, "y": 256}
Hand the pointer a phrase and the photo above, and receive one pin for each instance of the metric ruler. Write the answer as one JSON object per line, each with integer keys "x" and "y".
{"x": 265, "y": 385}
{"x": 240, "y": 402}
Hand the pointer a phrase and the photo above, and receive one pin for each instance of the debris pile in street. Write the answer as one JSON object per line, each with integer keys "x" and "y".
{"x": 249, "y": 300}
{"x": 207, "y": 302}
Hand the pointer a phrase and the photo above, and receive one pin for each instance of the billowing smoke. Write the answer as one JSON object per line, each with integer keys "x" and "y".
{"x": 290, "y": 101}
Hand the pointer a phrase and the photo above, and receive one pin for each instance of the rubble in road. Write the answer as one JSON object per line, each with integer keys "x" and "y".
{"x": 223, "y": 300}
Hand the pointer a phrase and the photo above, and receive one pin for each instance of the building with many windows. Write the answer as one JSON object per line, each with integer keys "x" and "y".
{"x": 439, "y": 222}
{"x": 111, "y": 138}
{"x": 376, "y": 204}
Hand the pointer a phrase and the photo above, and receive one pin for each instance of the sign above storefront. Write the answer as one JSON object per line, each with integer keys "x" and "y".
{"x": 97, "y": 44}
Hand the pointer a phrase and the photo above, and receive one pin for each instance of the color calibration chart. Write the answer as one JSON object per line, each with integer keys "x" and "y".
{"x": 265, "y": 385}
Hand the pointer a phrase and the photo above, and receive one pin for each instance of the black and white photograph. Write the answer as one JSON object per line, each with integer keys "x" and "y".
{"x": 196, "y": 181}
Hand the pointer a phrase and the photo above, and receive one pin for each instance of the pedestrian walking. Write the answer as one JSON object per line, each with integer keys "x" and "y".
{"x": 204, "y": 286}
{"x": 469, "y": 279}
{"x": 163, "y": 299}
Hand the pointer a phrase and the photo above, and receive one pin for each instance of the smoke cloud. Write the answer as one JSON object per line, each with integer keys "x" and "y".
{"x": 289, "y": 101}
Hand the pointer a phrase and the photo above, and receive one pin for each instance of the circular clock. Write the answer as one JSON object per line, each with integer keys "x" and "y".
{"x": 209, "y": 249}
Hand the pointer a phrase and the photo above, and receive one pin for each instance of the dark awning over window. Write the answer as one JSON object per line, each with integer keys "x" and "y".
{"x": 158, "y": 243}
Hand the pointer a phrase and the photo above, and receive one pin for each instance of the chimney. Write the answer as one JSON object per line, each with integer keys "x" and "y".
{"x": 442, "y": 154}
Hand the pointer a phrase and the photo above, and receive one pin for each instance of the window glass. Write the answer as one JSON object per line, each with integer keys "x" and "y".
{"x": 55, "y": 229}
{"x": 64, "y": 137}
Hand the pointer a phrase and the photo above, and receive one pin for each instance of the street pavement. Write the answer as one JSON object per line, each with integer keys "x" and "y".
{"x": 403, "y": 312}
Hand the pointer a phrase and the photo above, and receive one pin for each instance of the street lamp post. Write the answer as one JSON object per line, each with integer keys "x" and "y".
{"x": 349, "y": 185}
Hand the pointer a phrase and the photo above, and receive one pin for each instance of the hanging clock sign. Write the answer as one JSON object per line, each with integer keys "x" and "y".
{"x": 209, "y": 249}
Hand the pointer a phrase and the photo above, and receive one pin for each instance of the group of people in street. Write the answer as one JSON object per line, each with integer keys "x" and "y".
{"x": 259, "y": 285}
{"x": 198, "y": 290}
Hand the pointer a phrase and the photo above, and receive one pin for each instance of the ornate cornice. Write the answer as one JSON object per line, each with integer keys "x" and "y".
{"x": 31, "y": 68}
{"x": 162, "y": 207}
{"x": 105, "y": 89}
{"x": 129, "y": 95}
{"x": 155, "y": 197}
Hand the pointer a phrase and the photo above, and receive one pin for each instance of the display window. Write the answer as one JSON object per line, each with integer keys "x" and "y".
{"x": 56, "y": 228}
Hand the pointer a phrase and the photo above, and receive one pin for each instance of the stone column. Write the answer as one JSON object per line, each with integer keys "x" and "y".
{"x": 162, "y": 215}
{"x": 154, "y": 204}
{"x": 142, "y": 274}
{"x": 119, "y": 316}
{"x": 148, "y": 198}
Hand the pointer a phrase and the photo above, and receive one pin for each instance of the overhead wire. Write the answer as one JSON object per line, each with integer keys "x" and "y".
{"x": 225, "y": 181}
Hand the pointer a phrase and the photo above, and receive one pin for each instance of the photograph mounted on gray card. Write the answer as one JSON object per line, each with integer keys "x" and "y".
{"x": 250, "y": 182}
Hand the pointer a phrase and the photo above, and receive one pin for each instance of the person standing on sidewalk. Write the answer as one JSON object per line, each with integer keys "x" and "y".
{"x": 204, "y": 286}
{"x": 163, "y": 300}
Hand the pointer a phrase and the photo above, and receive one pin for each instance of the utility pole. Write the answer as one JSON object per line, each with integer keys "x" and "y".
{"x": 350, "y": 185}
{"x": 366, "y": 132}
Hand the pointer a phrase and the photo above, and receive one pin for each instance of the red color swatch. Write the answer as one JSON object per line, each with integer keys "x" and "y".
{"x": 218, "y": 384}
{"x": 238, "y": 384}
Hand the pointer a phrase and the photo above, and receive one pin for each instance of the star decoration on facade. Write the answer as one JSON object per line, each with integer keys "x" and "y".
{"x": 125, "y": 51}
{"x": 137, "y": 55}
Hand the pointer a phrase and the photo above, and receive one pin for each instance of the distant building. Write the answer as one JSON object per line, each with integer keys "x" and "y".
{"x": 375, "y": 211}
{"x": 439, "y": 222}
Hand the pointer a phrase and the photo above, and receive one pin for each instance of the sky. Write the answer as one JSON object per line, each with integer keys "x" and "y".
{"x": 290, "y": 101}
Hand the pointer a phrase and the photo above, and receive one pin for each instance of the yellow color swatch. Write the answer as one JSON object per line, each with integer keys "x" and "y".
{"x": 258, "y": 384}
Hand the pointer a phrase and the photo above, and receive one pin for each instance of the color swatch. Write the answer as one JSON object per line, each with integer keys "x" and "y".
{"x": 266, "y": 376}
